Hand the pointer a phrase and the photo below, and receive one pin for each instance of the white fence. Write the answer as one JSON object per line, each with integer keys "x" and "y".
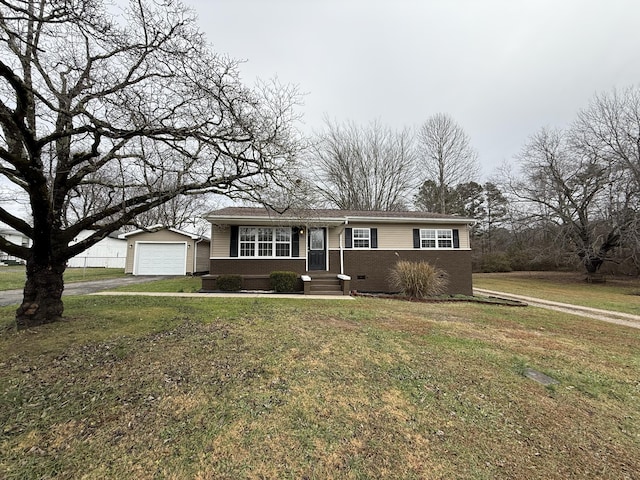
{"x": 96, "y": 262}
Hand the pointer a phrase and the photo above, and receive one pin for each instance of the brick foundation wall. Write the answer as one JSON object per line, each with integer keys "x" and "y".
{"x": 255, "y": 272}
{"x": 256, "y": 266}
{"x": 249, "y": 282}
{"x": 376, "y": 265}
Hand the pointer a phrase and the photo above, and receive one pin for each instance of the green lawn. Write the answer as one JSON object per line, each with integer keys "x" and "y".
{"x": 173, "y": 285}
{"x": 140, "y": 387}
{"x": 12, "y": 278}
{"x": 621, "y": 294}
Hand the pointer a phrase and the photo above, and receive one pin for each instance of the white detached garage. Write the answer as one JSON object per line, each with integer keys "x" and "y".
{"x": 160, "y": 250}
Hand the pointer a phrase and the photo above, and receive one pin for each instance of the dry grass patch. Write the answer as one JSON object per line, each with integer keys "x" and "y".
{"x": 264, "y": 388}
{"x": 619, "y": 294}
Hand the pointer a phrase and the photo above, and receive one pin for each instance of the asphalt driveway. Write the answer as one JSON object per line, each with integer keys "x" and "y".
{"x": 11, "y": 297}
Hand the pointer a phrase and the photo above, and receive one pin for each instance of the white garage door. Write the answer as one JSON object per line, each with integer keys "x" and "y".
{"x": 161, "y": 259}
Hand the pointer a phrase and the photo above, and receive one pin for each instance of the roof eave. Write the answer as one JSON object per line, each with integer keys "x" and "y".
{"x": 262, "y": 220}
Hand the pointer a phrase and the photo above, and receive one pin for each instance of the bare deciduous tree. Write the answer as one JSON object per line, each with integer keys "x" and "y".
{"x": 610, "y": 128}
{"x": 103, "y": 118}
{"x": 369, "y": 168}
{"x": 446, "y": 156}
{"x": 567, "y": 186}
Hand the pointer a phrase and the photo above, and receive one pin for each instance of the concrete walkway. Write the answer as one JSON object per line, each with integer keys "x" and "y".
{"x": 298, "y": 296}
{"x": 619, "y": 318}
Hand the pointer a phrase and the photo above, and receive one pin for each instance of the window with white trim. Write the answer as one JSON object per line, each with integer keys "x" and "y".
{"x": 264, "y": 242}
{"x": 361, "y": 237}
{"x": 431, "y": 238}
{"x": 283, "y": 242}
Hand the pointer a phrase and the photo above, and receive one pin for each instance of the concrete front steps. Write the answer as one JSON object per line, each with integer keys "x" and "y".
{"x": 325, "y": 284}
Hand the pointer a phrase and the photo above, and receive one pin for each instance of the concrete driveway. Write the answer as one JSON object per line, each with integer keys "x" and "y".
{"x": 619, "y": 318}
{"x": 11, "y": 297}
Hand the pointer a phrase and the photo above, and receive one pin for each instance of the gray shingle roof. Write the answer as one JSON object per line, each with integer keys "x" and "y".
{"x": 329, "y": 214}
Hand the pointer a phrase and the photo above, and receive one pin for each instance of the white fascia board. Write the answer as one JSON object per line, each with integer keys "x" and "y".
{"x": 454, "y": 220}
{"x": 150, "y": 229}
{"x": 262, "y": 220}
{"x": 193, "y": 236}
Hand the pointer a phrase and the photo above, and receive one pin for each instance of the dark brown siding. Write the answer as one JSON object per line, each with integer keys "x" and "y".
{"x": 375, "y": 266}
{"x": 334, "y": 261}
{"x": 254, "y": 272}
{"x": 255, "y": 266}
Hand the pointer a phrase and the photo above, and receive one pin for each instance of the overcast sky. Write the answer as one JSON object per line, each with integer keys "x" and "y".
{"x": 501, "y": 68}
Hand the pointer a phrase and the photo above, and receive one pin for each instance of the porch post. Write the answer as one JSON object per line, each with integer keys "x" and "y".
{"x": 346, "y": 222}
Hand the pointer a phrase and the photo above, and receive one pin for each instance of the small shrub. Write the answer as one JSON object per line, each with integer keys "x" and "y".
{"x": 283, "y": 281}
{"x": 229, "y": 283}
{"x": 418, "y": 279}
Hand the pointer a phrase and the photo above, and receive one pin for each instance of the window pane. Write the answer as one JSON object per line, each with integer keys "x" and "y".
{"x": 316, "y": 239}
{"x": 247, "y": 249}
{"x": 282, "y": 249}
{"x": 445, "y": 239}
{"x": 247, "y": 234}
{"x": 283, "y": 242}
{"x": 265, "y": 234}
{"x": 283, "y": 234}
{"x": 361, "y": 237}
{"x": 427, "y": 238}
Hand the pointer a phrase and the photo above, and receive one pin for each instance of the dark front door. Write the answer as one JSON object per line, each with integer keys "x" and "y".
{"x": 317, "y": 255}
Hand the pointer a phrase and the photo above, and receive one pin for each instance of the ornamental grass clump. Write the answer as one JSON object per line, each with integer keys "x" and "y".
{"x": 418, "y": 279}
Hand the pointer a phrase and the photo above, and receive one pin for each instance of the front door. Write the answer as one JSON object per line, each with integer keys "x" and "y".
{"x": 317, "y": 255}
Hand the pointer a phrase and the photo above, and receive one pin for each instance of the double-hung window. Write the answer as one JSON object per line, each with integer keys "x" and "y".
{"x": 283, "y": 242}
{"x": 361, "y": 238}
{"x": 432, "y": 238}
{"x": 248, "y": 241}
{"x": 265, "y": 242}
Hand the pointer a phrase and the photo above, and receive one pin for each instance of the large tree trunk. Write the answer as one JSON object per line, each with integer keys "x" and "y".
{"x": 592, "y": 264}
{"x": 593, "y": 259}
{"x": 42, "y": 301}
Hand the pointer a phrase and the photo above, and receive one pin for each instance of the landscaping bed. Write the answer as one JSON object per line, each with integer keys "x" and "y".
{"x": 443, "y": 299}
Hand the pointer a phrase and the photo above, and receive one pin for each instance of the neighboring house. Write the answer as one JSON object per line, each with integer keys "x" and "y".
{"x": 17, "y": 238}
{"x": 110, "y": 252}
{"x": 356, "y": 248}
{"x": 159, "y": 250}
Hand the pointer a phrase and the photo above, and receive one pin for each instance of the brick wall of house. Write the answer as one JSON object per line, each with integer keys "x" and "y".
{"x": 255, "y": 271}
{"x": 255, "y": 266}
{"x": 376, "y": 265}
{"x": 372, "y": 266}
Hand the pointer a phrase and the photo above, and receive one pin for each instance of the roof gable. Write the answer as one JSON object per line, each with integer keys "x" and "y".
{"x": 157, "y": 228}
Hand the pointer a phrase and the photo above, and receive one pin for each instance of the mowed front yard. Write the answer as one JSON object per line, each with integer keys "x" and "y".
{"x": 620, "y": 294}
{"x": 13, "y": 277}
{"x": 140, "y": 387}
